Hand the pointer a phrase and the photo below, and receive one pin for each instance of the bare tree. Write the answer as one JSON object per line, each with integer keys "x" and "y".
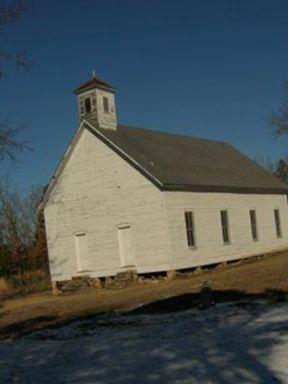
{"x": 22, "y": 236}
{"x": 10, "y": 138}
{"x": 282, "y": 170}
{"x": 10, "y": 14}
{"x": 11, "y": 142}
{"x": 279, "y": 121}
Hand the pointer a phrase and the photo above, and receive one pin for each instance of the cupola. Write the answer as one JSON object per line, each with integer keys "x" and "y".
{"x": 96, "y": 101}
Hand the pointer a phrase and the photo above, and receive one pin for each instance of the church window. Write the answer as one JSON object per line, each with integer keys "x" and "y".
{"x": 87, "y": 105}
{"x": 190, "y": 232}
{"x": 106, "y": 104}
{"x": 277, "y": 223}
{"x": 225, "y": 227}
{"x": 253, "y": 222}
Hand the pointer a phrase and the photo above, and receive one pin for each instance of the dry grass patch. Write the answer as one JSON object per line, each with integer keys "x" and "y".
{"x": 3, "y": 285}
{"x": 28, "y": 313}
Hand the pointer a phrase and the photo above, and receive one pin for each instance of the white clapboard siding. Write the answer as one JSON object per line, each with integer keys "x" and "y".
{"x": 206, "y": 209}
{"x": 97, "y": 193}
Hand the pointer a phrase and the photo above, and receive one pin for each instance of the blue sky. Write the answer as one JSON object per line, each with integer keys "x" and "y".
{"x": 212, "y": 69}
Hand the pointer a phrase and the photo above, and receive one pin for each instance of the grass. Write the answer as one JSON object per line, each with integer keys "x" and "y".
{"x": 25, "y": 283}
{"x": 3, "y": 285}
{"x": 264, "y": 278}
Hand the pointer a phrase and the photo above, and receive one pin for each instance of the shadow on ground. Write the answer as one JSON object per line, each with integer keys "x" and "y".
{"x": 207, "y": 297}
{"x": 200, "y": 300}
{"x": 24, "y": 327}
{"x": 236, "y": 340}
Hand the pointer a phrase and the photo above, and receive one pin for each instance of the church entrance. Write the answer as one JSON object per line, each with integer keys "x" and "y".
{"x": 125, "y": 247}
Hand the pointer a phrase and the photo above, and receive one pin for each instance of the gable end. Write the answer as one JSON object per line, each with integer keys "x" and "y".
{"x": 124, "y": 155}
{"x": 68, "y": 153}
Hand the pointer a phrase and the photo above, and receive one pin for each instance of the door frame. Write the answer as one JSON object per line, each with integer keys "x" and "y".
{"x": 121, "y": 254}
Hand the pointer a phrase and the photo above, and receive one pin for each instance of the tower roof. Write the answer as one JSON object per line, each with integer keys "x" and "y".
{"x": 94, "y": 82}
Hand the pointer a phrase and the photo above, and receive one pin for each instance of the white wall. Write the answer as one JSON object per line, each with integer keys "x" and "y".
{"x": 206, "y": 208}
{"x": 96, "y": 192}
{"x": 99, "y": 191}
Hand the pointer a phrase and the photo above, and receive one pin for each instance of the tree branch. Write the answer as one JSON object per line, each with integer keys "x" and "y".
{"x": 9, "y": 14}
{"x": 279, "y": 121}
{"x": 10, "y": 144}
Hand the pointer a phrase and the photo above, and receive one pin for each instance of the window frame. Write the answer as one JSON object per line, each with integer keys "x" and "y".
{"x": 80, "y": 260}
{"x": 253, "y": 224}
{"x": 190, "y": 228}
{"x": 106, "y": 108}
{"x": 225, "y": 227}
{"x": 87, "y": 102}
{"x": 277, "y": 222}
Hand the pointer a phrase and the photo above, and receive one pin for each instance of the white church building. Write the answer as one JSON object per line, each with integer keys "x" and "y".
{"x": 130, "y": 198}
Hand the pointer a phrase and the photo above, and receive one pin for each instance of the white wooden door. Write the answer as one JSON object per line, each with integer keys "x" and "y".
{"x": 125, "y": 247}
{"x": 81, "y": 250}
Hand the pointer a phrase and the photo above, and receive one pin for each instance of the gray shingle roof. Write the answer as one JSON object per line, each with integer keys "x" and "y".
{"x": 189, "y": 163}
{"x": 95, "y": 82}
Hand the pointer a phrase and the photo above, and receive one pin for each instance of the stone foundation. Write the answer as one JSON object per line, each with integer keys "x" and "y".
{"x": 129, "y": 277}
{"x": 77, "y": 283}
{"x": 123, "y": 279}
{"x": 171, "y": 275}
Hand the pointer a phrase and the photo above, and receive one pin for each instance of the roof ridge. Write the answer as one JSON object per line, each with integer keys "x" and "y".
{"x": 187, "y": 160}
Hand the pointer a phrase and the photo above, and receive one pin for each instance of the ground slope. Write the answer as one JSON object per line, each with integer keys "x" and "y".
{"x": 253, "y": 280}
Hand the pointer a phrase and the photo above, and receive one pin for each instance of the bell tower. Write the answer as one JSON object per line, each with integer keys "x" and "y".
{"x": 96, "y": 102}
